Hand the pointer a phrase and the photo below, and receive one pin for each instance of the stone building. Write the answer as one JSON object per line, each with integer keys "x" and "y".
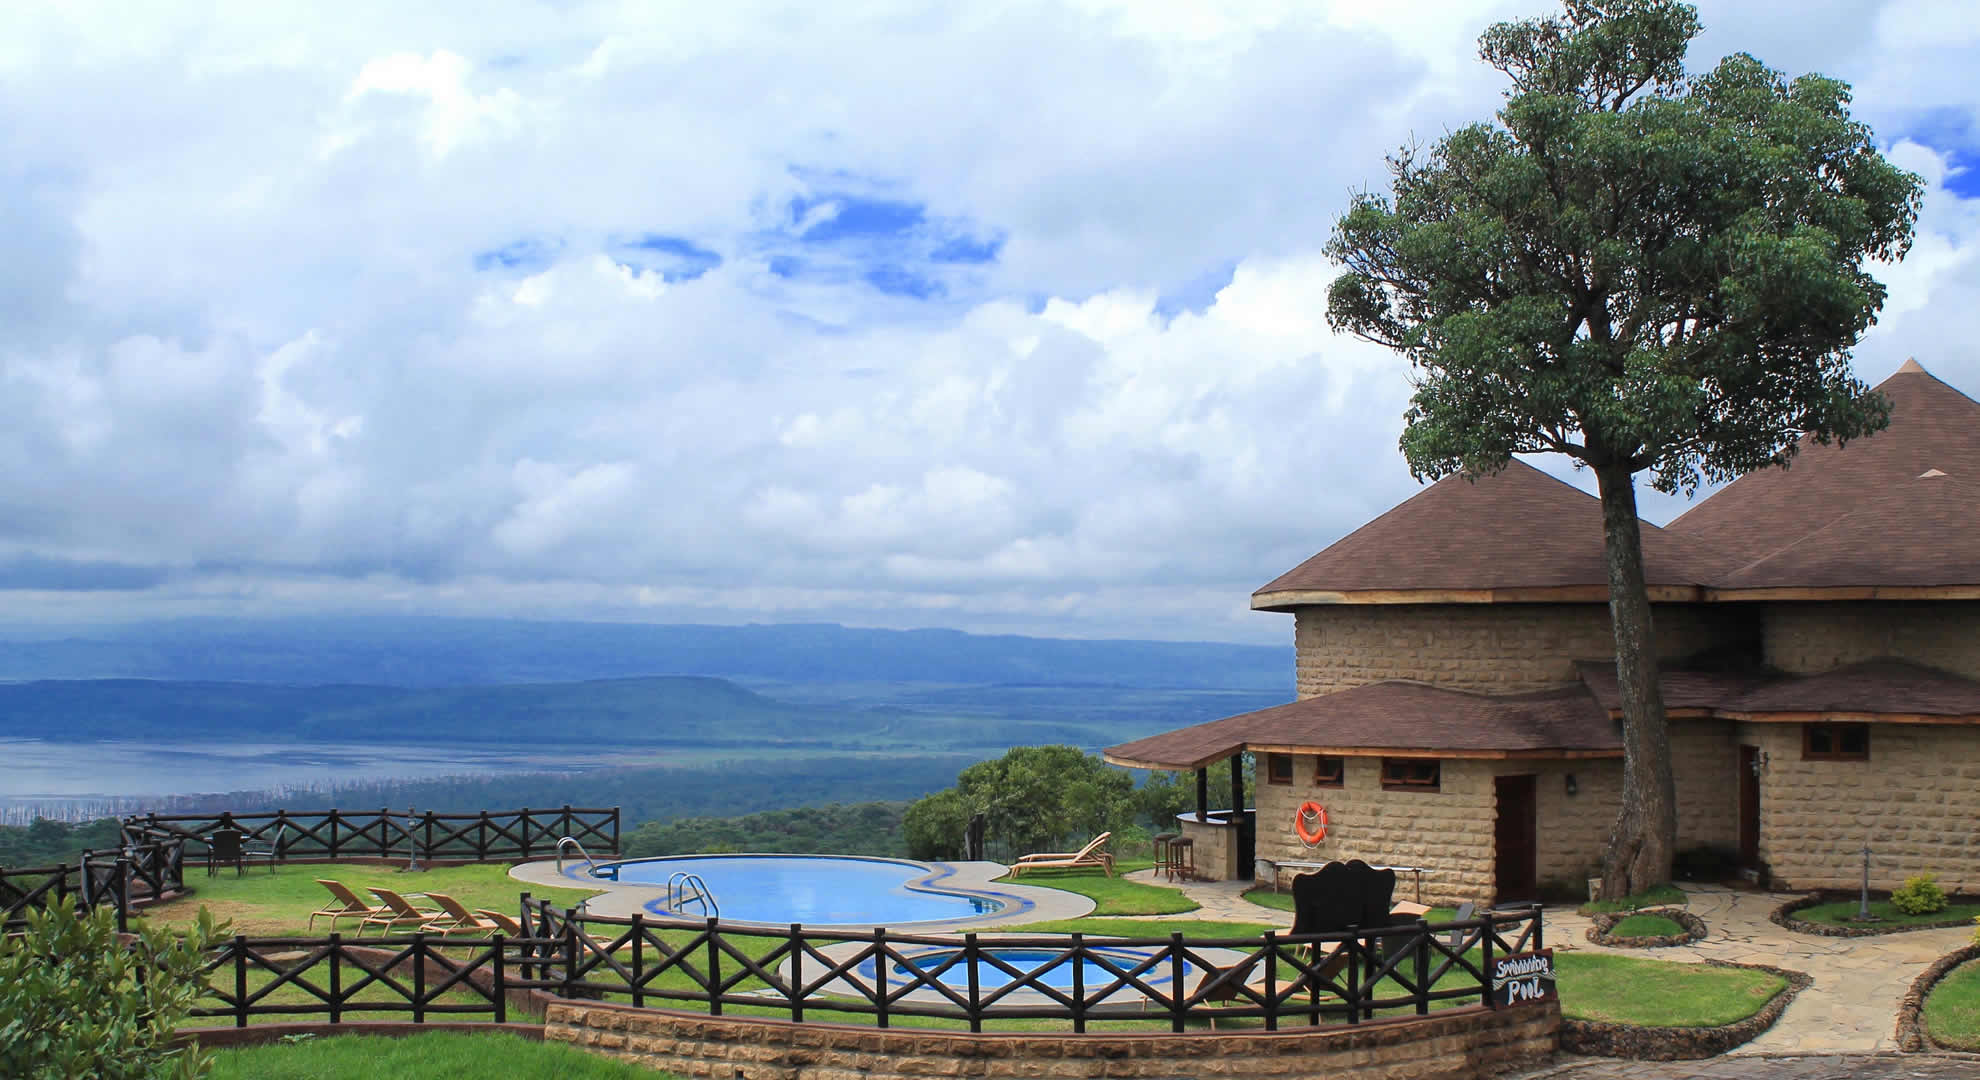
{"x": 1819, "y": 633}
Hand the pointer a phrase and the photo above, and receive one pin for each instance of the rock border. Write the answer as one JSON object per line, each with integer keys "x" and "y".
{"x": 1784, "y": 916}
{"x": 1682, "y": 1044}
{"x": 1694, "y": 929}
{"x": 1911, "y": 1033}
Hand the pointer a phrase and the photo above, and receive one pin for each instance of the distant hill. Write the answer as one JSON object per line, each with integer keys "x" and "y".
{"x": 384, "y": 651}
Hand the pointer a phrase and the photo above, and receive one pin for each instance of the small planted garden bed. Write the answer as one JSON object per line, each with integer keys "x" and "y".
{"x": 1833, "y": 914}
{"x": 1651, "y": 929}
{"x": 1942, "y": 1008}
{"x": 1658, "y": 896}
{"x": 1620, "y": 1006}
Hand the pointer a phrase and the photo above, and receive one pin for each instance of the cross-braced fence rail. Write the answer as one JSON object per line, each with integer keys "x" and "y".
{"x": 118, "y": 878}
{"x": 481, "y": 836}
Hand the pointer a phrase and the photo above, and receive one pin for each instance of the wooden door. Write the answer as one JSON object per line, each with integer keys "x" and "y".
{"x": 1749, "y": 806}
{"x": 1516, "y": 840}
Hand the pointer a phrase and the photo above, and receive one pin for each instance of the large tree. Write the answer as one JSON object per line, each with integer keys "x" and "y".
{"x": 1640, "y": 268}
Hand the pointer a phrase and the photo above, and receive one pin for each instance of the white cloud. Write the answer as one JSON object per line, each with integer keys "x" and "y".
{"x": 513, "y": 311}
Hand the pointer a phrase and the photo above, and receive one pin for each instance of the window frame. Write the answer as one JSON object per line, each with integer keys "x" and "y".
{"x": 1390, "y": 766}
{"x": 1835, "y": 734}
{"x": 1272, "y": 763}
{"x": 1322, "y": 778}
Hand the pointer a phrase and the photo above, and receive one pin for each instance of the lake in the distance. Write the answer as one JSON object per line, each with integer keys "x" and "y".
{"x": 38, "y": 770}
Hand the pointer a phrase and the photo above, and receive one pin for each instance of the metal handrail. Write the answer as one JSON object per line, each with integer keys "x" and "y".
{"x": 685, "y": 888}
{"x": 572, "y": 841}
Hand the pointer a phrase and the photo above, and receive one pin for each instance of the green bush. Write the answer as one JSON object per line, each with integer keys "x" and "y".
{"x": 1919, "y": 895}
{"x": 77, "y": 1001}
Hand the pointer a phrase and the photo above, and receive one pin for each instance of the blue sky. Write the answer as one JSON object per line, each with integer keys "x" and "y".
{"x": 998, "y": 317}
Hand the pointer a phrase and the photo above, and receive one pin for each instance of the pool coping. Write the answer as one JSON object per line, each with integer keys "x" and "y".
{"x": 1023, "y": 903}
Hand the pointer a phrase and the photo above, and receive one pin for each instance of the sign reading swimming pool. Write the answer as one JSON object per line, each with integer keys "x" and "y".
{"x": 1523, "y": 977}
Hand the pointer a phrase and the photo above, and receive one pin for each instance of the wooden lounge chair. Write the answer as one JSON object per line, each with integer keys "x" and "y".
{"x": 1090, "y": 855}
{"x": 504, "y": 924}
{"x": 455, "y": 919}
{"x": 398, "y": 913}
{"x": 346, "y": 905}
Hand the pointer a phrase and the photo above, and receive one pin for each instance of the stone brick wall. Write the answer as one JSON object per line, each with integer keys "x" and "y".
{"x": 1916, "y": 802}
{"x": 1458, "y": 1044}
{"x": 1705, "y": 765}
{"x": 1212, "y": 849}
{"x": 1814, "y": 637}
{"x": 1490, "y": 648}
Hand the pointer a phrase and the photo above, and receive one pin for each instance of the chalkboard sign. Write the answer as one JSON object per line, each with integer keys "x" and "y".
{"x": 1523, "y": 977}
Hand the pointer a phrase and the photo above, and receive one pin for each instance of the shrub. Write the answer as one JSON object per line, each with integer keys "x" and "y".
{"x": 76, "y": 1000}
{"x": 1919, "y": 895}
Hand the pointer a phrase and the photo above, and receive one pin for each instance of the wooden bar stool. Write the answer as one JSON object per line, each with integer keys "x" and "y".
{"x": 1182, "y": 858}
{"x": 1164, "y": 854}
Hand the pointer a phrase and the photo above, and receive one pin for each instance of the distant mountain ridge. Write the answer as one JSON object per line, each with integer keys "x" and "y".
{"x": 391, "y": 651}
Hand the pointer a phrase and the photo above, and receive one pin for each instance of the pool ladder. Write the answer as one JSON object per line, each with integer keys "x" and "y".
{"x": 570, "y": 841}
{"x": 686, "y": 888}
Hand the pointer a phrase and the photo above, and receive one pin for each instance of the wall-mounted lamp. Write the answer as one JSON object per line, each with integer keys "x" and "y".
{"x": 1759, "y": 763}
{"x": 1572, "y": 787}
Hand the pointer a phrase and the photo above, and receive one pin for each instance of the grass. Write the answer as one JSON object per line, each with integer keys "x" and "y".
{"x": 261, "y": 904}
{"x": 1656, "y": 993}
{"x": 1952, "y": 1012}
{"x": 1114, "y": 895}
{"x": 1843, "y": 913}
{"x": 1144, "y": 928}
{"x": 1651, "y": 897}
{"x": 493, "y": 1056}
{"x": 1646, "y": 926}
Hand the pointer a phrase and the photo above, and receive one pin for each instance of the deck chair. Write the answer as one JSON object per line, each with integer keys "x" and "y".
{"x": 398, "y": 913}
{"x": 455, "y": 919}
{"x": 1090, "y": 855}
{"x": 222, "y": 848}
{"x": 268, "y": 850}
{"x": 504, "y": 924}
{"x": 345, "y": 905}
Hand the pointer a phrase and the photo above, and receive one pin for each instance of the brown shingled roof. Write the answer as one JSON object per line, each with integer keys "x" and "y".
{"x": 1404, "y": 716}
{"x": 1517, "y": 529}
{"x": 1905, "y": 531}
{"x": 1887, "y": 687}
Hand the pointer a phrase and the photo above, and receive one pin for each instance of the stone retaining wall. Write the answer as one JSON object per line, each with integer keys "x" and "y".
{"x": 1453, "y": 1044}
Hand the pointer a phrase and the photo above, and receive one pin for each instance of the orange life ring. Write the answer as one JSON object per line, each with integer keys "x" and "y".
{"x": 1311, "y": 811}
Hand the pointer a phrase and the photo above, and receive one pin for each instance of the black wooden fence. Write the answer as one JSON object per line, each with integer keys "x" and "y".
{"x": 419, "y": 977}
{"x": 481, "y": 836}
{"x": 116, "y": 878}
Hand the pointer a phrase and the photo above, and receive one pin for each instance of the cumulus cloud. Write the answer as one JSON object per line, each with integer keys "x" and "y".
{"x": 995, "y": 317}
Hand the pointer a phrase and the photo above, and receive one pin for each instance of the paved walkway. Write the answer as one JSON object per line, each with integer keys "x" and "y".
{"x": 1851, "y": 1007}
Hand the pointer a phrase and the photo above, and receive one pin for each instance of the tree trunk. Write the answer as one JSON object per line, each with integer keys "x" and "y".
{"x": 1645, "y": 836}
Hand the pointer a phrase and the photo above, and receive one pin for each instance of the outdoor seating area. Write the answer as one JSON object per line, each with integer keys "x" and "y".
{"x": 394, "y": 913}
{"x": 1093, "y": 854}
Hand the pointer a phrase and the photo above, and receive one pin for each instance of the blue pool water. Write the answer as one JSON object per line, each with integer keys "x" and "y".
{"x": 816, "y": 890}
{"x": 1059, "y": 976}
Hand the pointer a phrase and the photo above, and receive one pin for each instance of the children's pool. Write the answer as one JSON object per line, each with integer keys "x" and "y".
{"x": 816, "y": 890}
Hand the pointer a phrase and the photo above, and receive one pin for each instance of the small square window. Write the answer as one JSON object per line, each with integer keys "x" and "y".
{"x": 1411, "y": 774}
{"x": 1278, "y": 768}
{"x": 1835, "y": 742}
{"x": 1329, "y": 771}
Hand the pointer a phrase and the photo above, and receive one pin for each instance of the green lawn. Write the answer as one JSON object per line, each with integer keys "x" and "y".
{"x": 1657, "y": 993}
{"x": 1952, "y": 1012}
{"x": 261, "y": 904}
{"x": 493, "y": 1056}
{"x": 1269, "y": 898}
{"x": 1843, "y": 913}
{"x": 1652, "y": 897}
{"x": 1113, "y": 895}
{"x": 1647, "y": 926}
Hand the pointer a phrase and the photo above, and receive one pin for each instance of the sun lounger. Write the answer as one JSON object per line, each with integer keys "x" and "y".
{"x": 345, "y": 905}
{"x": 504, "y": 924}
{"x": 399, "y": 914}
{"x": 455, "y": 919}
{"x": 1090, "y": 855}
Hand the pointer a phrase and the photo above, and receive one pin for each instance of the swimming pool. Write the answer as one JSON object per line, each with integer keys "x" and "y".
{"x": 1029, "y": 961}
{"x": 816, "y": 890}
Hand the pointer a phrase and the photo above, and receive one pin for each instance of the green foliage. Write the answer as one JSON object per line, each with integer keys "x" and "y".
{"x": 1635, "y": 267}
{"x": 1163, "y": 795}
{"x": 1651, "y": 897}
{"x": 1976, "y": 929}
{"x": 1646, "y": 925}
{"x": 47, "y": 843}
{"x": 1114, "y": 895}
{"x": 934, "y": 826}
{"x": 1614, "y": 989}
{"x": 1952, "y": 1010}
{"x": 494, "y": 1055}
{"x": 872, "y": 828}
{"x": 1884, "y": 915}
{"x": 75, "y": 1001}
{"x": 1919, "y": 895}
{"x": 1037, "y": 798}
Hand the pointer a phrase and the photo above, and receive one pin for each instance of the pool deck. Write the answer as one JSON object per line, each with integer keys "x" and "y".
{"x": 1022, "y": 903}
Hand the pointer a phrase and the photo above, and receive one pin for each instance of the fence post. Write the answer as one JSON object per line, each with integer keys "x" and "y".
{"x": 639, "y": 953}
{"x": 384, "y": 832}
{"x": 1178, "y": 997}
{"x": 240, "y": 980}
{"x": 1485, "y": 964}
{"x": 1539, "y": 932}
{"x": 1422, "y": 967}
{"x": 615, "y": 831}
{"x": 566, "y": 830}
{"x": 120, "y": 890}
{"x": 481, "y": 838}
{"x": 426, "y": 844}
{"x": 797, "y": 974}
{"x": 499, "y": 975}
{"x": 336, "y": 977}
{"x": 1079, "y": 983}
{"x": 570, "y": 952}
{"x": 714, "y": 971}
{"x": 880, "y": 975}
{"x": 419, "y": 977}
{"x": 1271, "y": 980}
{"x": 970, "y": 956}
{"x": 1353, "y": 947}
{"x": 522, "y": 819}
